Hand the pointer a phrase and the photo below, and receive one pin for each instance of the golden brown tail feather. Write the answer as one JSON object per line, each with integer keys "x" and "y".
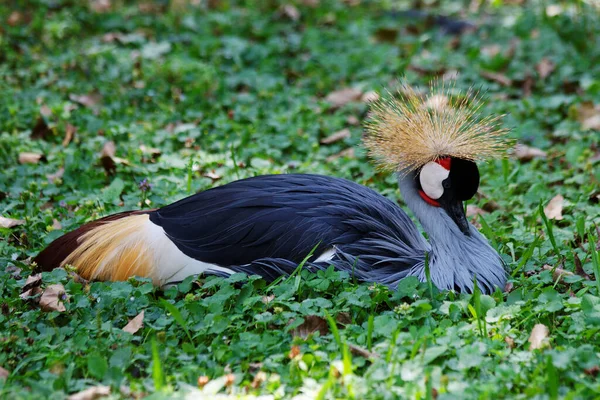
{"x": 96, "y": 249}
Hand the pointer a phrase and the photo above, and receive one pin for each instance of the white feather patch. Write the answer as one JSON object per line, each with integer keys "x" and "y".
{"x": 170, "y": 263}
{"x": 432, "y": 175}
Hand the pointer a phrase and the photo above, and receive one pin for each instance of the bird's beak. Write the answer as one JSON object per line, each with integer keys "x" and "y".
{"x": 456, "y": 211}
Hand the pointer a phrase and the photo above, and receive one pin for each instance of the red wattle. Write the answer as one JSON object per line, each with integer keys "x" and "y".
{"x": 428, "y": 199}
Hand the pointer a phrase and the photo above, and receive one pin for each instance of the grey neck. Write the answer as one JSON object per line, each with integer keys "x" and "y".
{"x": 455, "y": 259}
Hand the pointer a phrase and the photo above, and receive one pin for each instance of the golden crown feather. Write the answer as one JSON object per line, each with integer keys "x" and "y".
{"x": 407, "y": 132}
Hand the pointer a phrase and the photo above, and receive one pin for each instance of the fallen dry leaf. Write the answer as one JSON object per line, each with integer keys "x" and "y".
{"x": 267, "y": 299}
{"x": 497, "y": 77}
{"x": 473, "y": 211}
{"x": 579, "y": 268}
{"x": 229, "y": 379}
{"x": 31, "y": 287}
{"x": 30, "y": 158}
{"x": 342, "y": 97}
{"x": 311, "y": 324}
{"x": 352, "y": 120}
{"x": 100, "y": 6}
{"x": 588, "y": 115}
{"x": 212, "y": 175}
{"x": 290, "y": 11}
{"x": 523, "y": 152}
{"x": 361, "y": 351}
{"x": 510, "y": 342}
{"x": 69, "y": 135}
{"x": 491, "y": 50}
{"x": 349, "y": 153}
{"x": 107, "y": 157}
{"x": 336, "y": 137}
{"x": 135, "y": 324}
{"x": 4, "y": 373}
{"x": 93, "y": 393}
{"x": 203, "y": 380}
{"x": 45, "y": 110}
{"x": 10, "y": 222}
{"x": 539, "y": 337}
{"x": 53, "y": 297}
{"x": 294, "y": 352}
{"x": 554, "y": 208}
{"x": 259, "y": 378}
{"x": 14, "y": 18}
{"x": 369, "y": 97}
{"x": 545, "y": 67}
{"x": 53, "y": 178}
{"x": 90, "y": 100}
{"x": 557, "y": 273}
{"x": 56, "y": 225}
{"x": 40, "y": 130}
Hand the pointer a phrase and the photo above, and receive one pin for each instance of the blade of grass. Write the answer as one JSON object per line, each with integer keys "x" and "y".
{"x": 595, "y": 260}
{"x": 548, "y": 225}
{"x": 177, "y": 317}
{"x": 157, "y": 371}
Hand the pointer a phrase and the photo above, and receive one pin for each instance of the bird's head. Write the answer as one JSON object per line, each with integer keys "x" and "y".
{"x": 446, "y": 183}
{"x": 436, "y": 137}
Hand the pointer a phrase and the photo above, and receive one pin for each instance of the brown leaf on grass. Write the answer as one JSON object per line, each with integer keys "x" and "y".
{"x": 352, "y": 120}
{"x": 150, "y": 154}
{"x": 545, "y": 67}
{"x": 267, "y": 299}
{"x": 557, "y": 272}
{"x": 510, "y": 342}
{"x": 100, "y": 6}
{"x": 311, "y": 324}
{"x": 473, "y": 211}
{"x": 10, "y": 222}
{"x": 4, "y": 373}
{"x": 579, "y": 268}
{"x": 203, "y": 380}
{"x": 294, "y": 352}
{"x": 592, "y": 371}
{"x": 107, "y": 157}
{"x": 349, "y": 153}
{"x": 56, "y": 225}
{"x": 15, "y": 18}
{"x": 344, "y": 96}
{"x": 135, "y": 324}
{"x": 53, "y": 178}
{"x": 361, "y": 351}
{"x": 93, "y": 393}
{"x": 491, "y": 50}
{"x": 525, "y": 153}
{"x": 212, "y": 174}
{"x": 539, "y": 337}
{"x": 290, "y": 11}
{"x": 258, "y": 380}
{"x": 70, "y": 131}
{"x": 31, "y": 158}
{"x": 497, "y": 77}
{"x": 90, "y": 100}
{"x": 40, "y": 130}
{"x": 554, "y": 208}
{"x": 527, "y": 85}
{"x": 53, "y": 297}
{"x": 369, "y": 97}
{"x": 588, "y": 115}
{"x": 45, "y": 110}
{"x": 336, "y": 137}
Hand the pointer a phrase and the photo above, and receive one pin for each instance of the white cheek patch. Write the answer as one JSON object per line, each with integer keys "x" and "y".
{"x": 432, "y": 175}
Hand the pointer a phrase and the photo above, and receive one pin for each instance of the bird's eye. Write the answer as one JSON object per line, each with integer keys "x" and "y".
{"x": 446, "y": 183}
{"x": 432, "y": 179}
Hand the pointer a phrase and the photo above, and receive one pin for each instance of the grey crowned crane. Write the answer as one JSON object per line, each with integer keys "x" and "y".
{"x": 267, "y": 225}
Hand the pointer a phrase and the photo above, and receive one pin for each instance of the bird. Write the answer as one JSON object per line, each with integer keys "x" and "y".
{"x": 269, "y": 224}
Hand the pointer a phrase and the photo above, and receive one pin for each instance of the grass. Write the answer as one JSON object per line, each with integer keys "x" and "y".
{"x": 202, "y": 95}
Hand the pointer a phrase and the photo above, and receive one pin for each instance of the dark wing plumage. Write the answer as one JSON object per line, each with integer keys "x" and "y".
{"x": 268, "y": 224}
